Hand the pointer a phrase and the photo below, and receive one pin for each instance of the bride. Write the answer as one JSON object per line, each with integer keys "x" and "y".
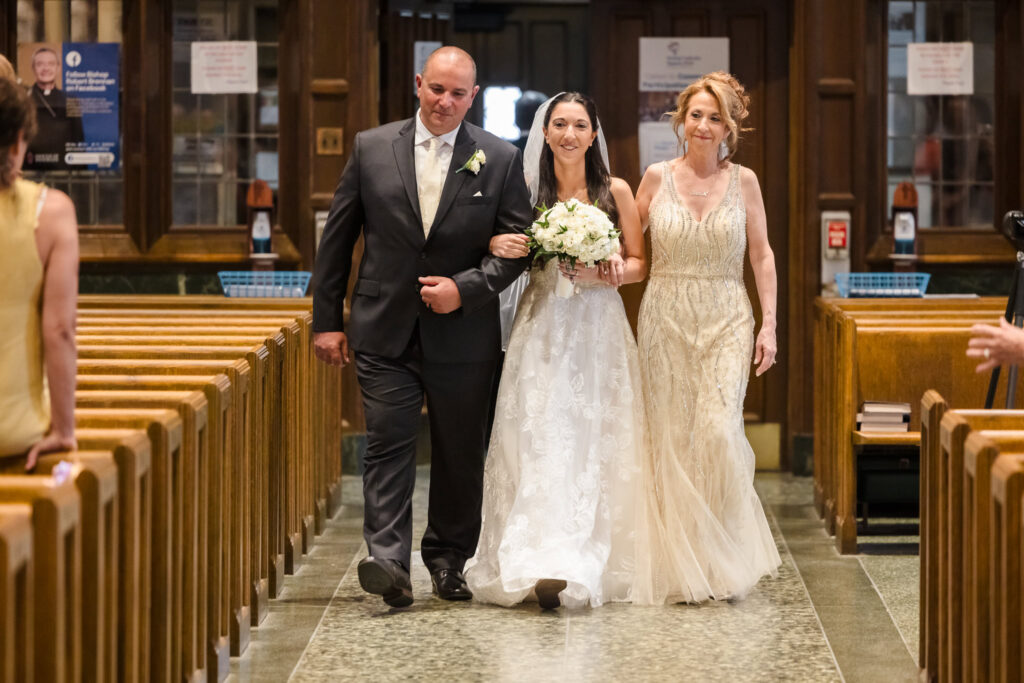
{"x": 558, "y": 508}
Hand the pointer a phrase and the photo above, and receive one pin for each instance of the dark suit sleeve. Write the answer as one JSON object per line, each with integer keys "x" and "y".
{"x": 478, "y": 285}
{"x": 334, "y": 256}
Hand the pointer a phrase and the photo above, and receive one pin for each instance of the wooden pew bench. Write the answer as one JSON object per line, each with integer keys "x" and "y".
{"x": 132, "y": 453}
{"x": 828, "y": 355}
{"x": 327, "y": 436}
{"x": 146, "y": 373}
{"x": 231, "y": 522}
{"x": 159, "y": 585}
{"x": 95, "y": 477}
{"x": 897, "y": 364}
{"x": 285, "y": 541}
{"x": 57, "y": 569}
{"x": 943, "y": 432}
{"x": 200, "y": 588}
{"x": 16, "y": 583}
{"x": 980, "y": 650}
{"x": 1007, "y": 486}
{"x": 836, "y": 353}
{"x": 304, "y": 495}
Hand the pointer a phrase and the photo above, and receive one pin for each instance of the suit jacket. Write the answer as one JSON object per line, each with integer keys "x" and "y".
{"x": 377, "y": 197}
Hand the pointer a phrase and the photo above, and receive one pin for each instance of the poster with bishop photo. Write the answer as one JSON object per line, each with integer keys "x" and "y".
{"x": 75, "y": 88}
{"x": 668, "y": 66}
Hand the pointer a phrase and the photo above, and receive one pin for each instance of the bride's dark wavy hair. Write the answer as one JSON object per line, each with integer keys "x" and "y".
{"x": 598, "y": 178}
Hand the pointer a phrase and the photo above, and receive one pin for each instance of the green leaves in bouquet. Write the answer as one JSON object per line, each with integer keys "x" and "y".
{"x": 541, "y": 256}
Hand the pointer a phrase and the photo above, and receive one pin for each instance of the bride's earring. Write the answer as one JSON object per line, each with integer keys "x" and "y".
{"x": 723, "y": 151}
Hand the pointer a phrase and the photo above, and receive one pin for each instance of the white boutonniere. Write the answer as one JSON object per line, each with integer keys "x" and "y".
{"x": 474, "y": 163}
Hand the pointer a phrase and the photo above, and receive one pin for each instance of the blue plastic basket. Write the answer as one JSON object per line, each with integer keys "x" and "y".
{"x": 882, "y": 284}
{"x": 264, "y": 283}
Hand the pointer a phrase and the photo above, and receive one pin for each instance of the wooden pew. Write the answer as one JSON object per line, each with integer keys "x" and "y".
{"x": 253, "y": 440}
{"x": 981, "y": 449}
{"x": 837, "y": 346}
{"x": 160, "y": 585}
{"x": 900, "y": 364}
{"x": 132, "y": 453}
{"x": 95, "y": 477}
{"x": 16, "y": 582}
{"x": 266, "y": 438}
{"x": 1007, "y": 486}
{"x": 227, "y": 434}
{"x": 199, "y": 589}
{"x": 933, "y": 407}
{"x": 301, "y": 504}
{"x": 299, "y": 310}
{"x": 266, "y": 379}
{"x": 828, "y": 355}
{"x": 57, "y": 569}
{"x": 948, "y": 520}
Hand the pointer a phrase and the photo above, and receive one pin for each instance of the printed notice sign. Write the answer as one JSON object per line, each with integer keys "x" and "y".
{"x": 75, "y": 88}
{"x": 940, "y": 69}
{"x": 223, "y": 67}
{"x": 668, "y": 66}
{"x": 674, "y": 63}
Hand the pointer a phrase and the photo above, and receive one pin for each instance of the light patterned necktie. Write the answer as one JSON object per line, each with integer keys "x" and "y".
{"x": 430, "y": 182}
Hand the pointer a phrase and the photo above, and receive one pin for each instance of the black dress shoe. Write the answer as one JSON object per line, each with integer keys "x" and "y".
{"x": 386, "y": 578}
{"x": 450, "y": 584}
{"x": 547, "y": 592}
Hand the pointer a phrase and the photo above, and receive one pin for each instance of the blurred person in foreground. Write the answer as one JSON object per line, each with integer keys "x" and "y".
{"x": 38, "y": 298}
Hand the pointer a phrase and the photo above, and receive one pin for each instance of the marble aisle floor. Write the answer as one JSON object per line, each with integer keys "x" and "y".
{"x": 825, "y": 618}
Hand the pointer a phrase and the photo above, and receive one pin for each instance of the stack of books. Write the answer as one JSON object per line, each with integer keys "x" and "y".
{"x": 883, "y": 416}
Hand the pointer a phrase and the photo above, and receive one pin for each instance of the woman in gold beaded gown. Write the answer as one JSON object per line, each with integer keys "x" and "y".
{"x": 701, "y": 531}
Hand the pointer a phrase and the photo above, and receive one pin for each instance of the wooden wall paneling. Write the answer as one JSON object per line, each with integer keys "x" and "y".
{"x": 614, "y": 76}
{"x": 398, "y": 33}
{"x": 689, "y": 22}
{"x": 548, "y": 48}
{"x": 9, "y": 30}
{"x": 294, "y": 105}
{"x": 834, "y": 129}
{"x": 154, "y": 141}
{"x": 804, "y": 250}
{"x": 1009, "y": 114}
{"x": 500, "y": 56}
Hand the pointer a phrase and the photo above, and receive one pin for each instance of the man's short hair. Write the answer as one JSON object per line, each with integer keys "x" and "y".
{"x": 42, "y": 50}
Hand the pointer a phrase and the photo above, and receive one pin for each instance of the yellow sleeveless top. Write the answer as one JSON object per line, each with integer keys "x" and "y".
{"x": 24, "y": 397}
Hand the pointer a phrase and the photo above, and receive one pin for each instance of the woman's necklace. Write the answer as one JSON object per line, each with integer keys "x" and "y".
{"x": 705, "y": 193}
{"x": 580, "y": 195}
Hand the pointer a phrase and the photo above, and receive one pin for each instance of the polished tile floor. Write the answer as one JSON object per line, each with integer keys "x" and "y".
{"x": 825, "y": 618}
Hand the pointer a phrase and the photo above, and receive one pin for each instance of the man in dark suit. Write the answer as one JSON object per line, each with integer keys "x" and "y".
{"x": 427, "y": 194}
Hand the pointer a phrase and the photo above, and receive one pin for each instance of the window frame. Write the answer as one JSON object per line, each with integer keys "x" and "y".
{"x": 147, "y": 235}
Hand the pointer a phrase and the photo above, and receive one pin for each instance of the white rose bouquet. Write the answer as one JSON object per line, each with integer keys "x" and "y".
{"x": 572, "y": 231}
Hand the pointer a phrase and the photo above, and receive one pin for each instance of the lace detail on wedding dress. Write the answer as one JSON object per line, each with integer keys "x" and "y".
{"x": 563, "y": 459}
{"x": 701, "y": 530}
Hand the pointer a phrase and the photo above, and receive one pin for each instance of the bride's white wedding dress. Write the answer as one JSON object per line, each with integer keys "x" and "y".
{"x": 559, "y": 500}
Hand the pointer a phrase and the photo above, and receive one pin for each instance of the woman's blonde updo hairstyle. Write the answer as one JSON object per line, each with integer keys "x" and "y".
{"x": 732, "y": 102}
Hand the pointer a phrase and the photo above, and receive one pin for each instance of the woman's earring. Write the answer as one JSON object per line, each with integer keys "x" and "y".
{"x": 723, "y": 151}
{"x": 686, "y": 147}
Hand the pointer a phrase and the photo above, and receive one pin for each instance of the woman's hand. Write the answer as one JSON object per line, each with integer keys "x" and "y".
{"x": 765, "y": 349}
{"x": 510, "y": 245}
{"x": 612, "y": 270}
{"x": 580, "y": 273}
{"x": 49, "y": 443}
